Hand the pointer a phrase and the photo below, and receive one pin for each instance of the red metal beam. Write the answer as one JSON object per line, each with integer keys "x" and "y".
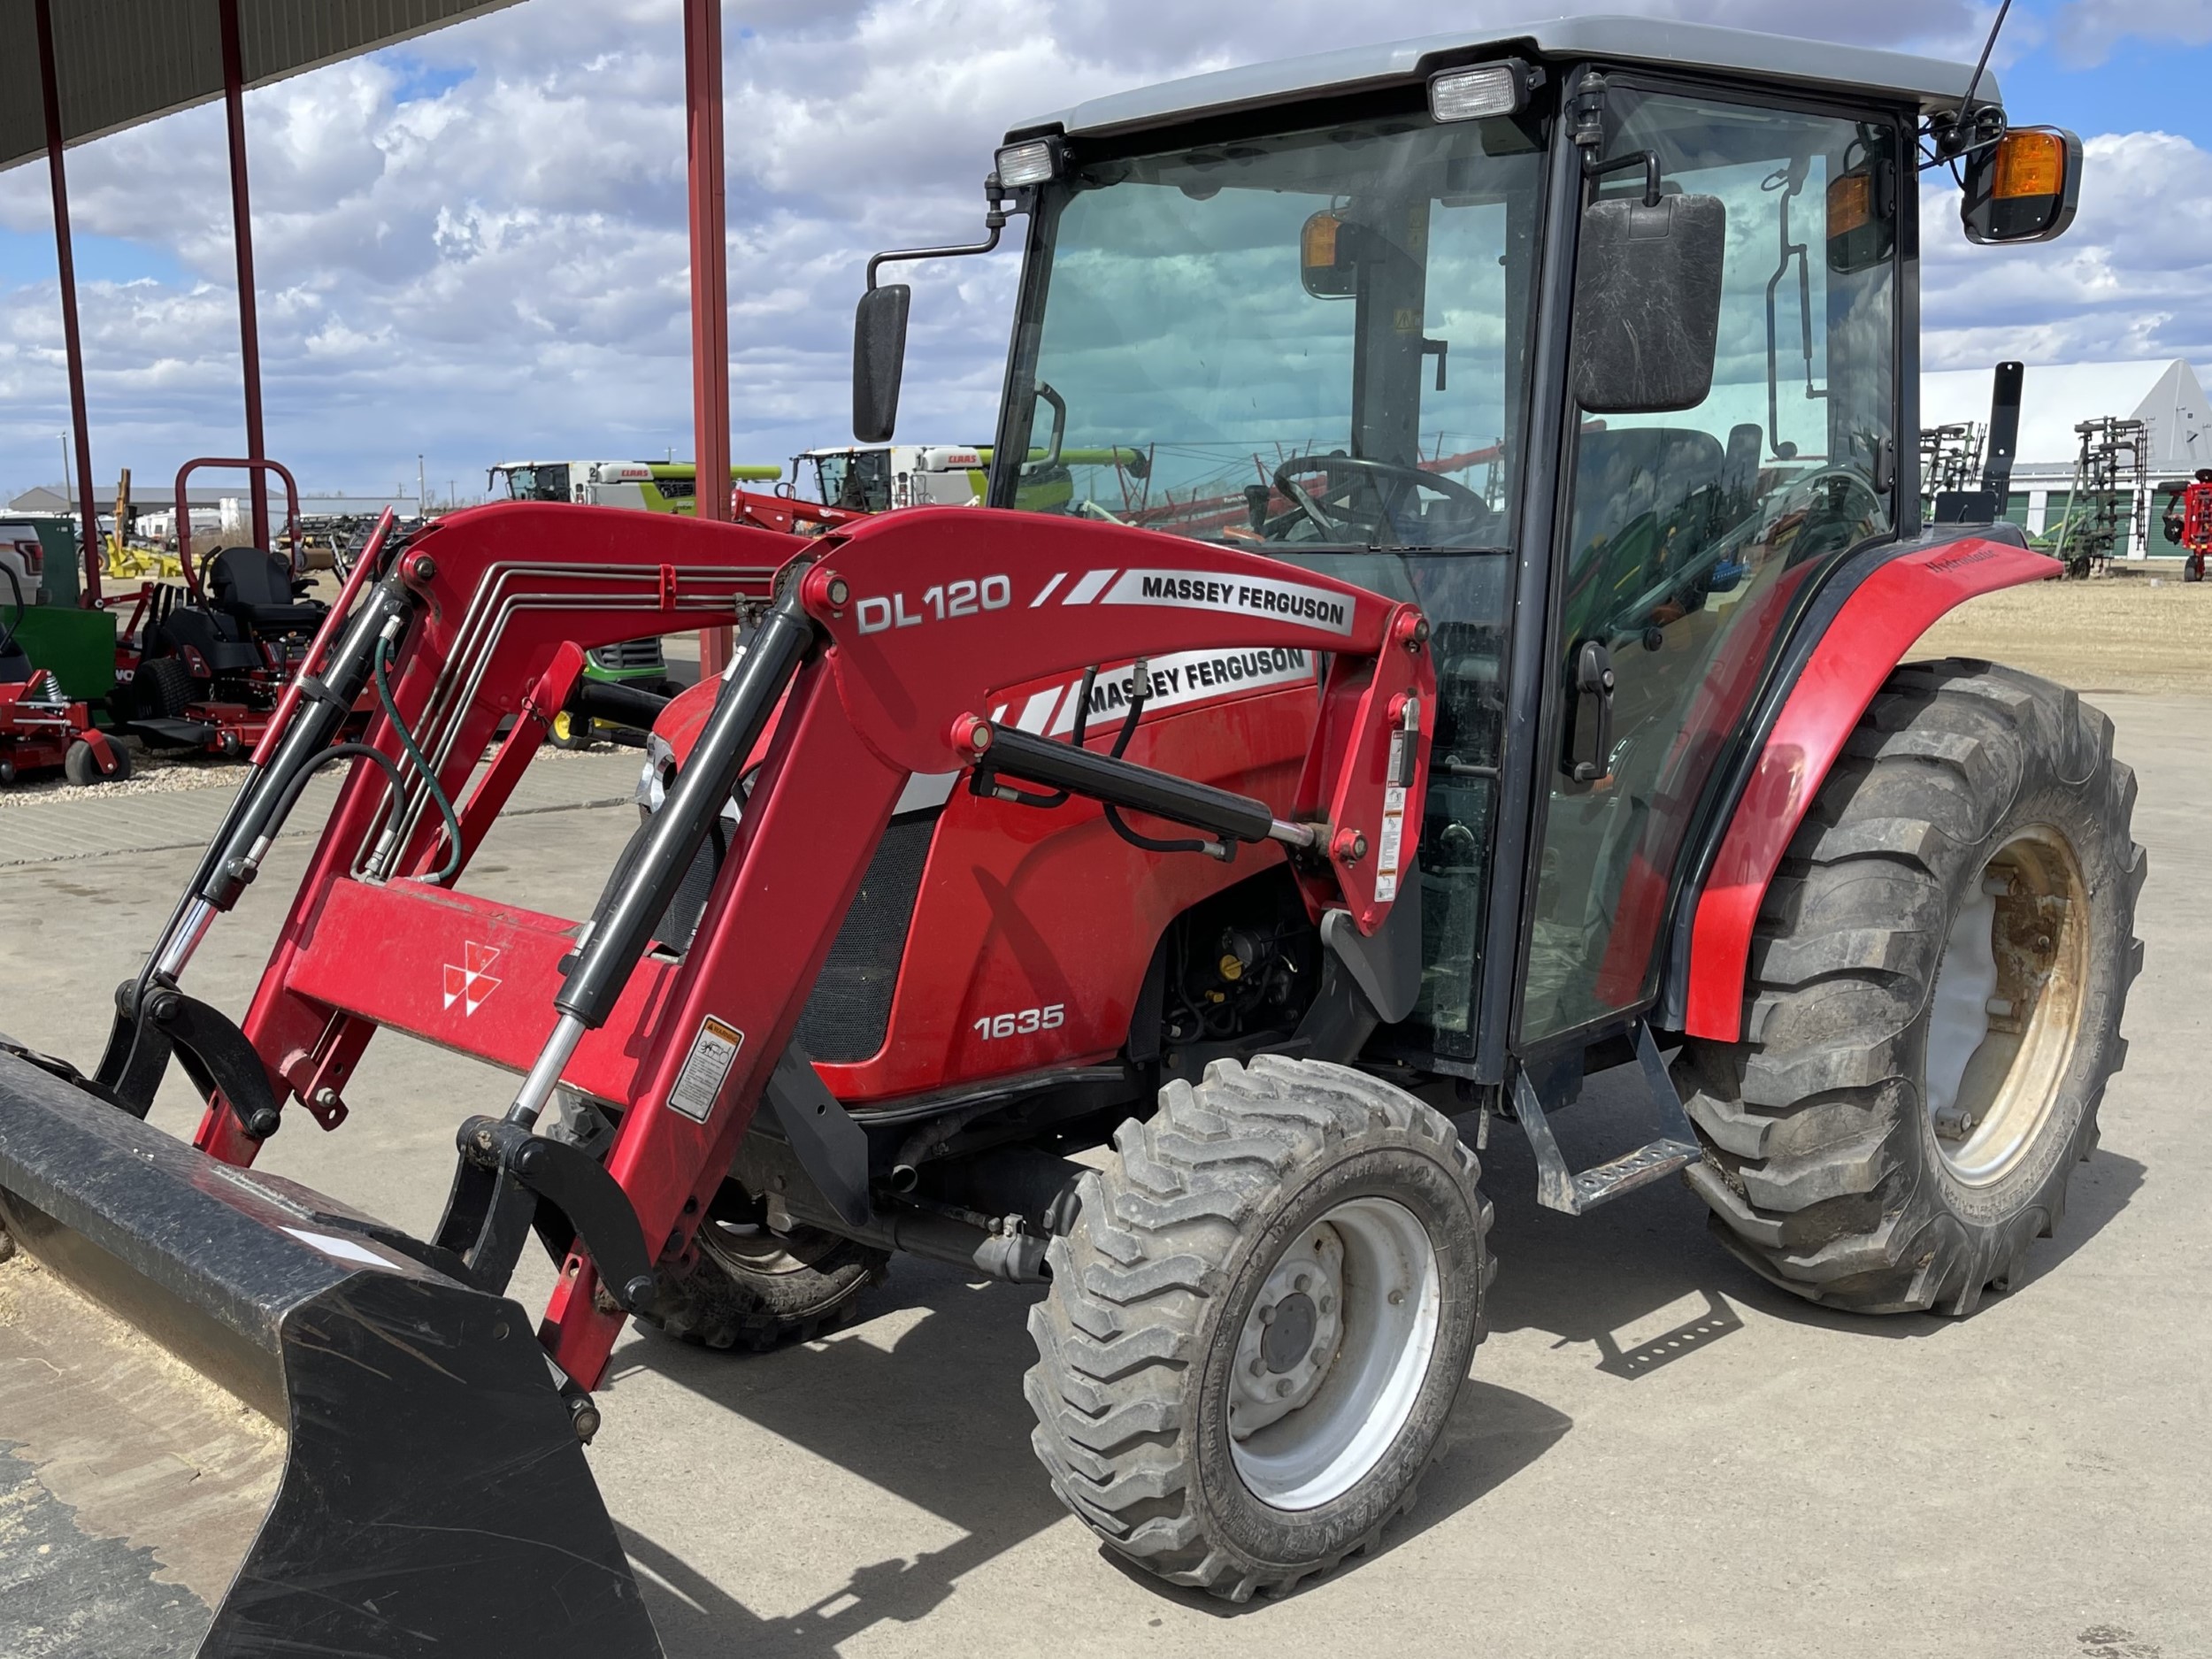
{"x": 710, "y": 285}
{"x": 242, "y": 235}
{"x": 73, "y": 341}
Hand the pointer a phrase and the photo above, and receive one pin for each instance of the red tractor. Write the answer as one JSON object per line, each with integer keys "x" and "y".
{"x": 1267, "y": 864}
{"x": 2188, "y": 523}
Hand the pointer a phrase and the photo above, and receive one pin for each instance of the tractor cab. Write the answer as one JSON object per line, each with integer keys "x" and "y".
{"x": 1594, "y": 340}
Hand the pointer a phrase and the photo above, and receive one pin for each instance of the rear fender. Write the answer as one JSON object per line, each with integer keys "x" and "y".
{"x": 1856, "y": 632}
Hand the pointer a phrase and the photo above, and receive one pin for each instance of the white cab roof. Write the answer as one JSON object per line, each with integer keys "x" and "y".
{"x": 1933, "y": 83}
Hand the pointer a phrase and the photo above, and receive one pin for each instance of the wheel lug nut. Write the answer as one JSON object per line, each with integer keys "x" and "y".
{"x": 1396, "y": 1297}
{"x": 1282, "y": 1388}
{"x": 1259, "y": 1366}
{"x": 1328, "y": 1303}
{"x": 1301, "y": 1281}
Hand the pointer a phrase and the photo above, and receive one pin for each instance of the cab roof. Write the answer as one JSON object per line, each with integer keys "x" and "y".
{"x": 1929, "y": 83}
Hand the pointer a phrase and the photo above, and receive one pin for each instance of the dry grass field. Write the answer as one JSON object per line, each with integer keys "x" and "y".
{"x": 2129, "y": 632}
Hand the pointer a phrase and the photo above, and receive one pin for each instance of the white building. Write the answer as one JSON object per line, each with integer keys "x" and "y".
{"x": 2164, "y": 394}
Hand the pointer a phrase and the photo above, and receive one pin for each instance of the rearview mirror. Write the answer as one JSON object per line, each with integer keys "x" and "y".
{"x": 2023, "y": 188}
{"x": 879, "y": 360}
{"x": 1325, "y": 264}
{"x": 1648, "y": 304}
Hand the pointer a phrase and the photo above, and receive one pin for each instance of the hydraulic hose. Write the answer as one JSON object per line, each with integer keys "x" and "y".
{"x": 631, "y": 909}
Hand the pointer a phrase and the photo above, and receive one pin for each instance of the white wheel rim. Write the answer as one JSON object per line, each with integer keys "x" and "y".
{"x": 1315, "y": 1406}
{"x": 2006, "y": 1009}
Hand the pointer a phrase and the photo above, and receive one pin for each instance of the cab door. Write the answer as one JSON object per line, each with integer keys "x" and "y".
{"x": 1690, "y": 541}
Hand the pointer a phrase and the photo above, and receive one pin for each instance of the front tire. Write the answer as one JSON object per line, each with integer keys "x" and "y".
{"x": 1938, "y": 975}
{"x": 1259, "y": 1323}
{"x": 747, "y": 1287}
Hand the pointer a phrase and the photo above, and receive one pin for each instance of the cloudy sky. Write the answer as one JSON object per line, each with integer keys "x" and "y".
{"x": 474, "y": 247}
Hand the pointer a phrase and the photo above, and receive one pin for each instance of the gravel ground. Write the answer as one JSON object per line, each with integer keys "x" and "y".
{"x": 166, "y": 774}
{"x": 2129, "y": 632}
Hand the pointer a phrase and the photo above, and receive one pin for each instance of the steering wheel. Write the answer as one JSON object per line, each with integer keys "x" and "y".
{"x": 1829, "y": 525}
{"x": 1347, "y": 474}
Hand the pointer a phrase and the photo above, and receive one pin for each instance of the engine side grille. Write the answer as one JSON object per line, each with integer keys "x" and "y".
{"x": 630, "y": 654}
{"x": 849, "y": 1010}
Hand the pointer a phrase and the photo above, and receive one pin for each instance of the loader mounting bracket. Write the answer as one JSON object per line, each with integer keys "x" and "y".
{"x": 831, "y": 1148}
{"x": 510, "y": 1182}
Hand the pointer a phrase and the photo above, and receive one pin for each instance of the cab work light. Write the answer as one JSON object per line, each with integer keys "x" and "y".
{"x": 1476, "y": 94}
{"x": 1032, "y": 161}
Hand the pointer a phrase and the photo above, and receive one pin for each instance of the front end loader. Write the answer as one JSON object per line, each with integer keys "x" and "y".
{"x": 1506, "y": 683}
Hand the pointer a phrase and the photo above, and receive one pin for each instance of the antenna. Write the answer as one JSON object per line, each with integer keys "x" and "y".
{"x": 1966, "y": 108}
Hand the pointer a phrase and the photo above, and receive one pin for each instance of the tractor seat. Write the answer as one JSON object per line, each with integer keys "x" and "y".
{"x": 256, "y": 587}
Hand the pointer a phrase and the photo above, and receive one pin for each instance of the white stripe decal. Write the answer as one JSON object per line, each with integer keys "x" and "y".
{"x": 1187, "y": 676}
{"x": 1240, "y": 596}
{"x": 1037, "y": 712}
{"x": 1049, "y": 588}
{"x": 1089, "y": 588}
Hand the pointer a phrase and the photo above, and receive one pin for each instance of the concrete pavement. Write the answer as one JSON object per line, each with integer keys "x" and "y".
{"x": 1657, "y": 1455}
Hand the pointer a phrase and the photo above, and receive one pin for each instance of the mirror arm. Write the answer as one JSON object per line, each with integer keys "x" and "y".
{"x": 1647, "y": 159}
{"x": 995, "y": 218}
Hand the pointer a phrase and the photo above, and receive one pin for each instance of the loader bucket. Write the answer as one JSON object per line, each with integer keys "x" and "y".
{"x": 358, "y": 1454}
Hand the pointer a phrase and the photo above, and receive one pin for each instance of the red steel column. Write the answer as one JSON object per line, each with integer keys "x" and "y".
{"x": 72, "y": 342}
{"x": 709, "y": 286}
{"x": 241, "y": 234}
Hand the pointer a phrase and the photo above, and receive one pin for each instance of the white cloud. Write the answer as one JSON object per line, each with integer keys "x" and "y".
{"x": 498, "y": 265}
{"x": 2126, "y": 281}
{"x": 2089, "y": 29}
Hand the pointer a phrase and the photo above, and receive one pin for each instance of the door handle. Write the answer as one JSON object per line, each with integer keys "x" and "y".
{"x": 1590, "y": 733}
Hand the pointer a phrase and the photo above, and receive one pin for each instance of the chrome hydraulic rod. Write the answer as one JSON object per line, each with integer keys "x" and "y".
{"x": 645, "y": 881}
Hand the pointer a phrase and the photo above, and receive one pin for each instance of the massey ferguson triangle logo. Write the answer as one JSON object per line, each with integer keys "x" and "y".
{"x": 469, "y": 986}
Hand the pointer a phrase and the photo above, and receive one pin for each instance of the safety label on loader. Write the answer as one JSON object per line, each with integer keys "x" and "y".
{"x": 1388, "y": 856}
{"x": 713, "y": 1051}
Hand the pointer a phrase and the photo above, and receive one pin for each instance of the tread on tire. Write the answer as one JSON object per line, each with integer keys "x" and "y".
{"x": 1822, "y": 1167}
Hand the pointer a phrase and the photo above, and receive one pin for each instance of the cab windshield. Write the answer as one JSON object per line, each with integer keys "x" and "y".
{"x": 545, "y": 483}
{"x": 1314, "y": 340}
{"x": 857, "y": 479}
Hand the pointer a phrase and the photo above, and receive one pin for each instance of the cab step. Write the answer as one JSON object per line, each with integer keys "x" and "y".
{"x": 1576, "y": 1193}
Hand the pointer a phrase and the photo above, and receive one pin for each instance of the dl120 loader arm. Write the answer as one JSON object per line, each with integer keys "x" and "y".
{"x": 872, "y": 658}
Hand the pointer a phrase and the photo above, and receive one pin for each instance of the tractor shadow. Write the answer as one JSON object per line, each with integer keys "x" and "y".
{"x": 1644, "y": 1282}
{"x": 935, "y": 1416}
{"x": 929, "y": 1409}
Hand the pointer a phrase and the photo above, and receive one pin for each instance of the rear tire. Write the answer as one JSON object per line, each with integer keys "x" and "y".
{"x": 162, "y": 690}
{"x": 1286, "y": 1205}
{"x": 2192, "y": 568}
{"x": 750, "y": 1288}
{"x": 1938, "y": 980}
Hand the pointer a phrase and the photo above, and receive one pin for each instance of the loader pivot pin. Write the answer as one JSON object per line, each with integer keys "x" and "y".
{"x": 971, "y": 732}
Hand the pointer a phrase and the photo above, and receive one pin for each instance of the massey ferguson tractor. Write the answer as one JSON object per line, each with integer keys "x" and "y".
{"x": 1264, "y": 861}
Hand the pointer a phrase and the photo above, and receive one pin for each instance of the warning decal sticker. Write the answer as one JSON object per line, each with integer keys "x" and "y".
{"x": 1394, "y": 830}
{"x": 713, "y": 1051}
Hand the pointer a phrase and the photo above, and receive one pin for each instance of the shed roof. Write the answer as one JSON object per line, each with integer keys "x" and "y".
{"x": 117, "y": 63}
{"x": 1933, "y": 83}
{"x": 2162, "y": 392}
